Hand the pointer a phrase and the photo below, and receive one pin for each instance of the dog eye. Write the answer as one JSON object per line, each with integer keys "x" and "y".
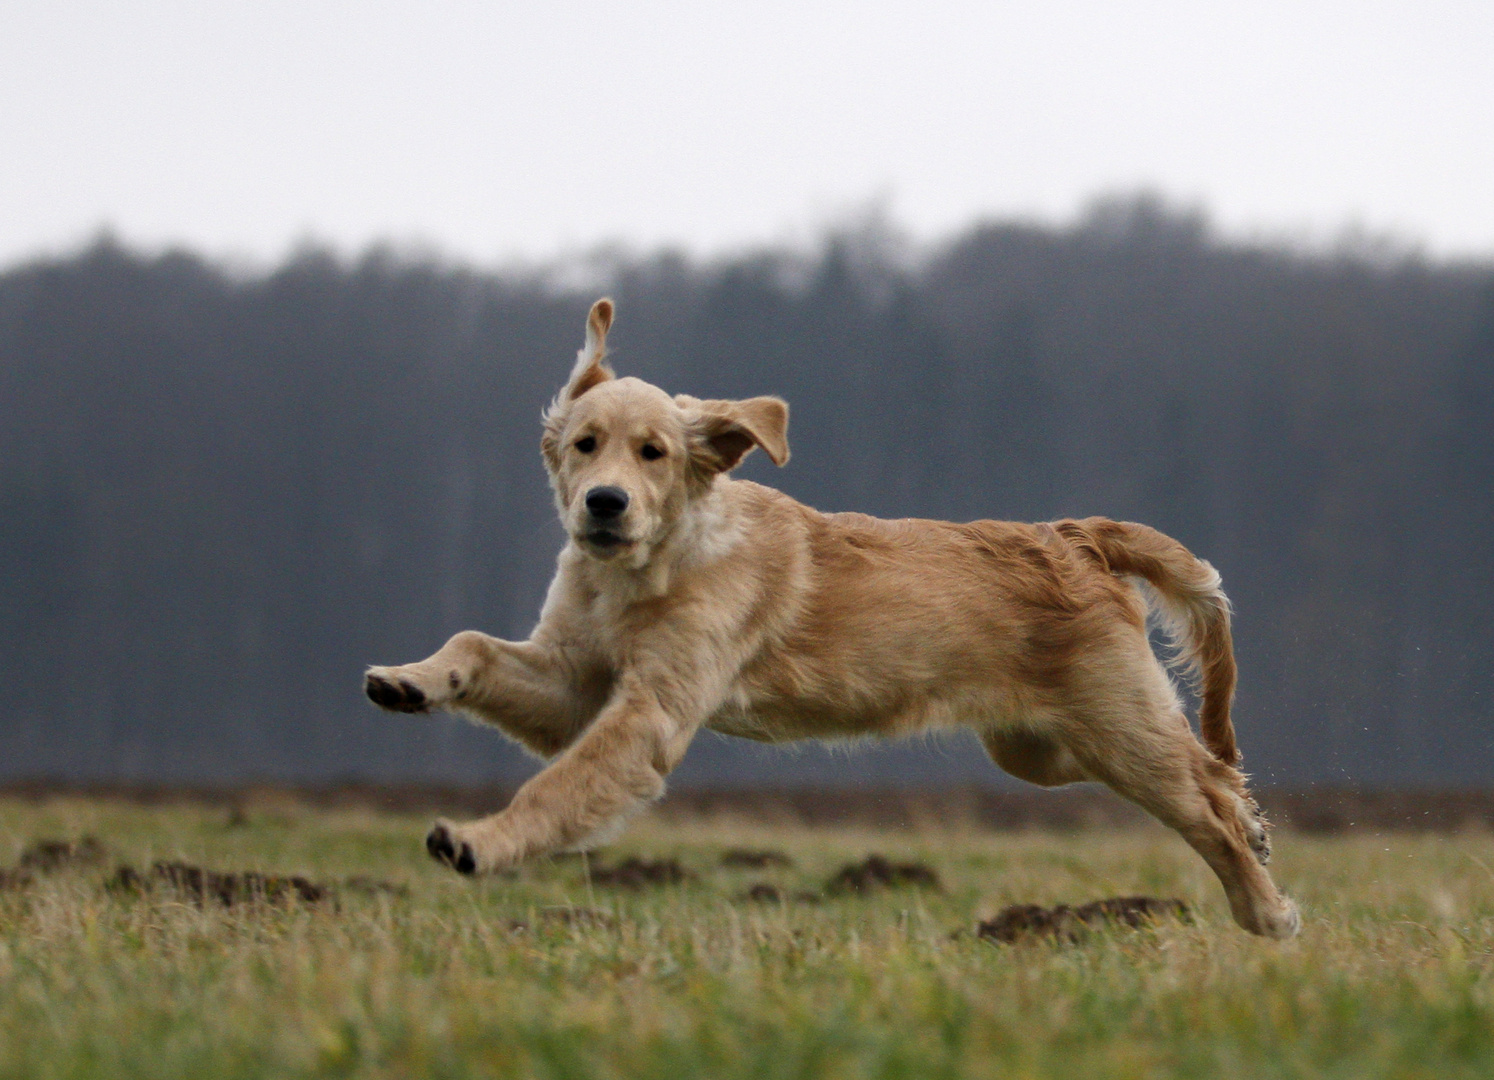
{"x": 651, "y": 452}
{"x": 586, "y": 445}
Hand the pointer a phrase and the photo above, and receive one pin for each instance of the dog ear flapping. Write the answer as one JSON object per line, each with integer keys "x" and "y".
{"x": 591, "y": 370}
{"x": 725, "y": 432}
{"x": 591, "y": 362}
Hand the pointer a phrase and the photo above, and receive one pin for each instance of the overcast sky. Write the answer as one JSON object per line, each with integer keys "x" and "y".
{"x": 494, "y": 131}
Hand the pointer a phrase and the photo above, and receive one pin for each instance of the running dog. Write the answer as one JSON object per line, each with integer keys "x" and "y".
{"x": 686, "y": 599}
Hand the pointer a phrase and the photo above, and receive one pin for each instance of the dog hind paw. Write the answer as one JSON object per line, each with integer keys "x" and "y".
{"x": 1259, "y": 838}
{"x": 1260, "y": 844}
{"x": 1254, "y": 829}
{"x": 1284, "y": 923}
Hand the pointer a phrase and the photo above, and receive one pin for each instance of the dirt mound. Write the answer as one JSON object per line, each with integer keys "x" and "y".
{"x": 194, "y": 883}
{"x": 1022, "y": 922}
{"x": 877, "y": 872}
{"x": 199, "y": 885}
{"x": 636, "y": 873}
{"x": 49, "y": 856}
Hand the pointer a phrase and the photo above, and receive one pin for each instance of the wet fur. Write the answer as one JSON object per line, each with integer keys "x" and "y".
{"x": 725, "y": 604}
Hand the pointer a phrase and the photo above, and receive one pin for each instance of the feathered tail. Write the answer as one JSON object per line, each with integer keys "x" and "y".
{"x": 1194, "y": 611}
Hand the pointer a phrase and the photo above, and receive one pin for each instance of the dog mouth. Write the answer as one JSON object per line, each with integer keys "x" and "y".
{"x": 605, "y": 540}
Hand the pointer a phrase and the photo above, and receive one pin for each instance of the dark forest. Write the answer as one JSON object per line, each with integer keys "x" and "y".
{"x": 222, "y": 494}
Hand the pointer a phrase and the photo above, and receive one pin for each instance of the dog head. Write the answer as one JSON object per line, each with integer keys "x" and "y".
{"x": 627, "y": 460}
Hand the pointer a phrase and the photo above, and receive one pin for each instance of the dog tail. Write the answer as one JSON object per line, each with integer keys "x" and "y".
{"x": 1193, "y": 608}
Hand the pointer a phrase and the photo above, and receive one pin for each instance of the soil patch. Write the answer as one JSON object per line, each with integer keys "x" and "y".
{"x": 200, "y": 885}
{"x": 49, "y": 856}
{"x": 877, "y": 872}
{"x": 1022, "y": 922}
{"x": 636, "y": 873}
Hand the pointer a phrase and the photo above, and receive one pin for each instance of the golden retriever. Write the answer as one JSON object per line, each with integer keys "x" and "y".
{"x": 685, "y": 598}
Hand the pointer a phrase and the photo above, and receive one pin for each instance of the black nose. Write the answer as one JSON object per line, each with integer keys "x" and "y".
{"x": 606, "y": 503}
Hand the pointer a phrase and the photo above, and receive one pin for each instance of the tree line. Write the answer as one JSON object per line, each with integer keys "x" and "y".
{"x": 222, "y": 494}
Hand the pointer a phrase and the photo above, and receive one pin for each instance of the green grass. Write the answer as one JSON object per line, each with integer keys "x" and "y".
{"x": 1393, "y": 975}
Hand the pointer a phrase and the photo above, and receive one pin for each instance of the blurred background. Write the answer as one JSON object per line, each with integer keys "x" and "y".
{"x": 284, "y": 288}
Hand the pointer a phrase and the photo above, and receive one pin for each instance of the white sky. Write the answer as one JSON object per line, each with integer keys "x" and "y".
{"x": 496, "y": 131}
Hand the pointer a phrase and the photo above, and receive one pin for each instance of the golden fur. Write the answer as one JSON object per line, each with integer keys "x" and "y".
{"x": 721, "y": 603}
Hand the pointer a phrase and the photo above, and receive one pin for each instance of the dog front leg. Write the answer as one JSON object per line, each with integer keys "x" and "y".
{"x": 522, "y": 688}
{"x": 611, "y": 772}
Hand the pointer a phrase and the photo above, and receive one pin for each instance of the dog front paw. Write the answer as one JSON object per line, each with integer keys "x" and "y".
{"x": 450, "y": 850}
{"x": 394, "y": 692}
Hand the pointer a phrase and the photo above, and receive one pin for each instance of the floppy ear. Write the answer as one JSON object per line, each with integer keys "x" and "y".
{"x": 724, "y": 432}
{"x": 591, "y": 362}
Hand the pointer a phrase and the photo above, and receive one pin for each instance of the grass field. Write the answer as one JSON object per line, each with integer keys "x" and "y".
{"x": 551, "y": 974}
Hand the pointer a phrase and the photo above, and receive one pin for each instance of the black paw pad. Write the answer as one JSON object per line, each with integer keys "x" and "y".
{"x": 445, "y": 849}
{"x": 403, "y": 696}
{"x": 378, "y": 691}
{"x": 466, "y": 862}
{"x": 438, "y": 842}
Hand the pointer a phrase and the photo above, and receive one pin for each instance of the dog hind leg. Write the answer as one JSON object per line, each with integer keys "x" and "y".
{"x": 1035, "y": 758}
{"x": 1161, "y": 767}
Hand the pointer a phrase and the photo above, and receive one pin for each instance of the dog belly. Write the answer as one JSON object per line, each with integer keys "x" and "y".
{"x": 746, "y": 726}
{"x": 813, "y": 718}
